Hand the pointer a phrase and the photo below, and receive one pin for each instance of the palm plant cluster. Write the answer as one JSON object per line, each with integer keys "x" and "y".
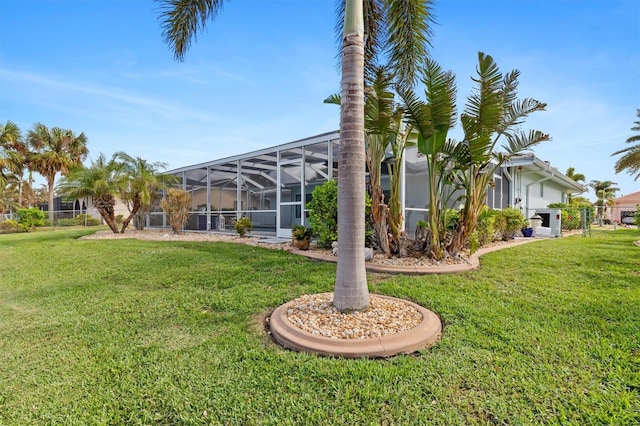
{"x": 459, "y": 171}
{"x": 51, "y": 151}
{"x": 133, "y": 180}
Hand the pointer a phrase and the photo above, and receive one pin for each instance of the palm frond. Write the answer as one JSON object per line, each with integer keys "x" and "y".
{"x": 484, "y": 104}
{"x": 522, "y": 141}
{"x": 629, "y": 162}
{"x": 380, "y": 102}
{"x": 440, "y": 94}
{"x": 409, "y": 33}
{"x": 334, "y": 99}
{"x": 183, "y": 19}
{"x": 510, "y": 88}
{"x": 416, "y": 113}
{"x": 517, "y": 112}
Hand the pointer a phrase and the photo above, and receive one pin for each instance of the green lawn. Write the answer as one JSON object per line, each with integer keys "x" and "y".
{"x": 139, "y": 332}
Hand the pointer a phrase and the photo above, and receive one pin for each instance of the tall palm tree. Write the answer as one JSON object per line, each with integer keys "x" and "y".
{"x": 630, "y": 161}
{"x": 12, "y": 151}
{"x": 606, "y": 193}
{"x": 139, "y": 183}
{"x": 54, "y": 151}
{"x": 400, "y": 29}
{"x": 578, "y": 177}
{"x": 571, "y": 174}
{"x": 98, "y": 181}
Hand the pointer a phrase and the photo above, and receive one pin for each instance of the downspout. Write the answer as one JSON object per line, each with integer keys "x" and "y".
{"x": 533, "y": 183}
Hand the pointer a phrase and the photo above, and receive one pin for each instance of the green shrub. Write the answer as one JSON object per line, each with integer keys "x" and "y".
{"x": 119, "y": 219}
{"x": 499, "y": 226}
{"x": 87, "y": 220}
{"x": 30, "y": 218}
{"x": 485, "y": 231}
{"x": 509, "y": 221}
{"x": 67, "y": 222}
{"x": 48, "y": 222}
{"x": 323, "y": 214}
{"x": 451, "y": 219}
{"x": 10, "y": 227}
{"x": 243, "y": 225}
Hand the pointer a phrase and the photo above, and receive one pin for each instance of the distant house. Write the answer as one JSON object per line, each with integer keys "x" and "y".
{"x": 65, "y": 208}
{"x": 625, "y": 208}
{"x": 534, "y": 184}
{"x": 272, "y": 186}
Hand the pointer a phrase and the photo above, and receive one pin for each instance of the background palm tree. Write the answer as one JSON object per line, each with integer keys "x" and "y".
{"x": 12, "y": 152}
{"x": 398, "y": 29}
{"x": 578, "y": 177}
{"x": 606, "y": 192}
{"x": 98, "y": 181}
{"x": 630, "y": 161}
{"x": 139, "y": 183}
{"x": 9, "y": 195}
{"x": 54, "y": 151}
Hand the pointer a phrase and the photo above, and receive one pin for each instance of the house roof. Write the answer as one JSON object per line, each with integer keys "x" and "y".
{"x": 629, "y": 198}
{"x": 532, "y": 163}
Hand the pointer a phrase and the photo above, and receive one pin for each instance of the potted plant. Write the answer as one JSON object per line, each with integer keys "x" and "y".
{"x": 301, "y": 237}
{"x": 243, "y": 225}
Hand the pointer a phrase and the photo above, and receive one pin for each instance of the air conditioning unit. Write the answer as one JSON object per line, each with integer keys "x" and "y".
{"x": 551, "y": 223}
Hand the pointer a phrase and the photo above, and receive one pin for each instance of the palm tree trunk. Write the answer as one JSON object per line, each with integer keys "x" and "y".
{"x": 105, "y": 205}
{"x": 351, "y": 292}
{"x": 137, "y": 203}
{"x": 50, "y": 183}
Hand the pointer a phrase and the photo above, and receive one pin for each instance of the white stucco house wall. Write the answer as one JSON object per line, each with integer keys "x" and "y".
{"x": 534, "y": 184}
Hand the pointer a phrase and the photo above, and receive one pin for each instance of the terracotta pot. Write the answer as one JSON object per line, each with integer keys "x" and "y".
{"x": 301, "y": 244}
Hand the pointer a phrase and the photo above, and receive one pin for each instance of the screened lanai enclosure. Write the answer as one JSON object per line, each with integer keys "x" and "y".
{"x": 272, "y": 187}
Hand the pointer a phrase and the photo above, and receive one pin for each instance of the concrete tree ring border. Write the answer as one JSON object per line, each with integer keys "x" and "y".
{"x": 419, "y": 337}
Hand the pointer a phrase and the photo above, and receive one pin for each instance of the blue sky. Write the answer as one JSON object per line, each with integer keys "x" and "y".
{"x": 258, "y": 75}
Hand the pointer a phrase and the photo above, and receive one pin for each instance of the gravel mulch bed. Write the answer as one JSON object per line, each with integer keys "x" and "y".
{"x": 315, "y": 314}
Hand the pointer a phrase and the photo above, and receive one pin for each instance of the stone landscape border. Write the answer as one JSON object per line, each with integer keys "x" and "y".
{"x": 470, "y": 264}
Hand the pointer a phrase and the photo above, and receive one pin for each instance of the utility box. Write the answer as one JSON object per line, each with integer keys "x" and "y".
{"x": 551, "y": 222}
